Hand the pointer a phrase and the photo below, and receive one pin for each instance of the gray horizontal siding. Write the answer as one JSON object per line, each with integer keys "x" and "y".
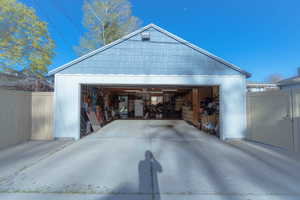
{"x": 162, "y": 55}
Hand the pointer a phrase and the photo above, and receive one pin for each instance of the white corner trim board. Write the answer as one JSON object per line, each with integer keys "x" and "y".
{"x": 232, "y": 98}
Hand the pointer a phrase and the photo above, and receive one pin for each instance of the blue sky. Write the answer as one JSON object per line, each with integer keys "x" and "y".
{"x": 261, "y": 37}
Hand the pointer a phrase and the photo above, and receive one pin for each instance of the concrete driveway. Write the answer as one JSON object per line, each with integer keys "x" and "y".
{"x": 158, "y": 159}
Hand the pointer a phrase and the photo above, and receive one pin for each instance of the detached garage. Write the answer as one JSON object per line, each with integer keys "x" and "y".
{"x": 150, "y": 74}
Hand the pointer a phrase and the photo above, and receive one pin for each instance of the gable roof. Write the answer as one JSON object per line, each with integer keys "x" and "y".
{"x": 290, "y": 81}
{"x": 178, "y": 39}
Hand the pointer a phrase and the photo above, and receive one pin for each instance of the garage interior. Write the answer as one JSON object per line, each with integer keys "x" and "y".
{"x": 101, "y": 105}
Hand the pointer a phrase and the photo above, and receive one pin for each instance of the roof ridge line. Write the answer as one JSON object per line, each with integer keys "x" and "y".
{"x": 130, "y": 35}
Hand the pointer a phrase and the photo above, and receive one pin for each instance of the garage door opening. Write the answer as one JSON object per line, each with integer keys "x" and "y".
{"x": 101, "y": 105}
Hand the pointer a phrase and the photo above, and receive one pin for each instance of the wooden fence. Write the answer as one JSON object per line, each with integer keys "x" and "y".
{"x": 273, "y": 118}
{"x": 25, "y": 116}
{"x": 42, "y": 116}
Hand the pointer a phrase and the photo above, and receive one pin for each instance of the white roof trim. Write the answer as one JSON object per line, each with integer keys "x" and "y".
{"x": 262, "y": 84}
{"x": 152, "y": 75}
{"x": 180, "y": 40}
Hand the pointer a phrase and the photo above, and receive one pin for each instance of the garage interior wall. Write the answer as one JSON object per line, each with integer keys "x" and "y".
{"x": 232, "y": 98}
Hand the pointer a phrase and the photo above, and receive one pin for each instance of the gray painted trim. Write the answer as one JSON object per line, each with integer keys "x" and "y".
{"x": 180, "y": 40}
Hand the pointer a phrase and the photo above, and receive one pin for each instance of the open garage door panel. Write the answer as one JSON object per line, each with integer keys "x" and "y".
{"x": 103, "y": 104}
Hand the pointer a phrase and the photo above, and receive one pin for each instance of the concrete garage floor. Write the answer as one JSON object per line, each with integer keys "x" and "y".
{"x": 188, "y": 165}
